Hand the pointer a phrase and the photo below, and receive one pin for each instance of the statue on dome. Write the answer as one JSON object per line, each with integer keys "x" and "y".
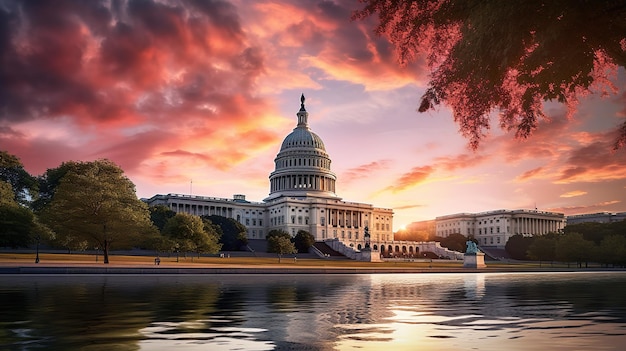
{"x": 302, "y": 98}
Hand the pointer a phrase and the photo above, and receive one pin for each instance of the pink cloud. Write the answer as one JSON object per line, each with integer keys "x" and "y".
{"x": 363, "y": 171}
{"x": 134, "y": 80}
{"x": 415, "y": 176}
{"x": 574, "y": 193}
{"x": 529, "y": 174}
{"x": 600, "y": 206}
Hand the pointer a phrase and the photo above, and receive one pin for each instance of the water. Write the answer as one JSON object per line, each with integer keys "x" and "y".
{"x": 538, "y": 311}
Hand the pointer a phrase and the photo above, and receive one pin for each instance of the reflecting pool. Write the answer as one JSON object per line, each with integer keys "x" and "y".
{"x": 508, "y": 311}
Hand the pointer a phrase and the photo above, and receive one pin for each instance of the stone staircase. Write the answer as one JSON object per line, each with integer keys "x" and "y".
{"x": 328, "y": 252}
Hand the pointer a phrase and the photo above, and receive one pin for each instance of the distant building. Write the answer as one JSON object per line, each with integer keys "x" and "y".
{"x": 600, "y": 217}
{"x": 494, "y": 228}
{"x": 302, "y": 197}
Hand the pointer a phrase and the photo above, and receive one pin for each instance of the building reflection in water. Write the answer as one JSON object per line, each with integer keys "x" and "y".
{"x": 315, "y": 312}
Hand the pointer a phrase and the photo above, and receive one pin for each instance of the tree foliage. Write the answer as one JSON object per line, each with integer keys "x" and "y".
{"x": 96, "y": 202}
{"x": 517, "y": 246}
{"x": 454, "y": 242}
{"x": 280, "y": 242}
{"x": 19, "y": 227}
{"x": 233, "y": 234}
{"x": 613, "y": 250}
{"x": 159, "y": 215}
{"x": 591, "y": 230}
{"x": 192, "y": 234}
{"x": 24, "y": 186}
{"x": 303, "y": 241}
{"x": 542, "y": 248}
{"x": 50, "y": 180}
{"x": 511, "y": 56}
{"x": 573, "y": 247}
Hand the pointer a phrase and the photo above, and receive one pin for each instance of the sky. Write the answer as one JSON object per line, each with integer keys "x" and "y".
{"x": 195, "y": 97}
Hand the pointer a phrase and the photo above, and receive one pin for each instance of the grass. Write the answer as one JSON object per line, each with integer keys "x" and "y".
{"x": 77, "y": 259}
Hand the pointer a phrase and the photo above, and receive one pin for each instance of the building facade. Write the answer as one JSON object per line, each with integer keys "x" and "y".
{"x": 600, "y": 217}
{"x": 494, "y": 228}
{"x": 302, "y": 197}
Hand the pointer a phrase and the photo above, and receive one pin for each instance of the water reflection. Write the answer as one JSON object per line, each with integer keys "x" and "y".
{"x": 567, "y": 311}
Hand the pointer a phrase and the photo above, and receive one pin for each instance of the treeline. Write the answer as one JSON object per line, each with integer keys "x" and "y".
{"x": 603, "y": 243}
{"x": 93, "y": 205}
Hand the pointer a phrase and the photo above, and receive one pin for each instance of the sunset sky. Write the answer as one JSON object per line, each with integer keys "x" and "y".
{"x": 197, "y": 96}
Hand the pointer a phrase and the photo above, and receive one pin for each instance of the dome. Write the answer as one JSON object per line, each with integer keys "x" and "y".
{"x": 302, "y": 166}
{"x": 302, "y": 137}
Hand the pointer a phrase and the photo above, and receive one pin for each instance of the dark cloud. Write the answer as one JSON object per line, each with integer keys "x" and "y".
{"x": 97, "y": 61}
{"x": 594, "y": 162}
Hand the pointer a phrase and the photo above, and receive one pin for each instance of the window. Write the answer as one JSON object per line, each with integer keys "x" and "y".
{"x": 323, "y": 220}
{"x": 293, "y": 219}
{"x": 247, "y": 221}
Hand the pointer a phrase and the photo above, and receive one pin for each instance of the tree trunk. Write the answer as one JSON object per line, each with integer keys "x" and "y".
{"x": 105, "y": 251}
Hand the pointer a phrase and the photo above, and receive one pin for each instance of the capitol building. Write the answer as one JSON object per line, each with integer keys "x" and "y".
{"x": 302, "y": 197}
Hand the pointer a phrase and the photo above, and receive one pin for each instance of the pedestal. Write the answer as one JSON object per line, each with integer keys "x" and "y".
{"x": 474, "y": 260}
{"x": 368, "y": 256}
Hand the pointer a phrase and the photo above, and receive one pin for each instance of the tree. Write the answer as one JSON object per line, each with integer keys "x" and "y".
{"x": 159, "y": 215}
{"x": 98, "y": 204}
{"x": 303, "y": 241}
{"x": 590, "y": 230}
{"x": 507, "y": 55}
{"x": 190, "y": 233}
{"x": 19, "y": 227}
{"x": 234, "y": 234}
{"x": 280, "y": 245}
{"x": 23, "y": 185}
{"x": 613, "y": 250}
{"x": 542, "y": 248}
{"x": 50, "y": 180}
{"x": 159, "y": 243}
{"x": 574, "y": 248}
{"x": 15, "y": 226}
{"x": 280, "y": 242}
{"x": 455, "y": 242}
{"x": 517, "y": 246}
